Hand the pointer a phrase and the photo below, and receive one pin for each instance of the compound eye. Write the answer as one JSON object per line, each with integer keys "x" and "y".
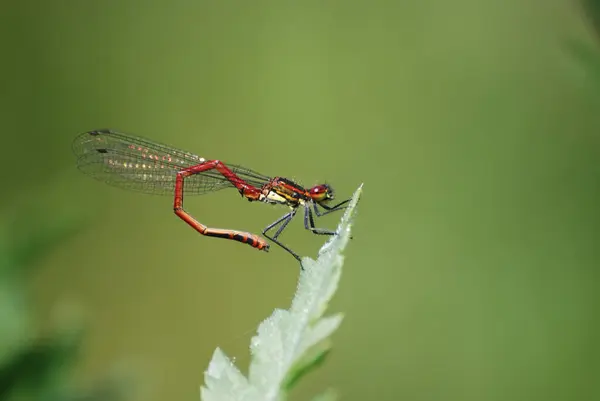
{"x": 320, "y": 192}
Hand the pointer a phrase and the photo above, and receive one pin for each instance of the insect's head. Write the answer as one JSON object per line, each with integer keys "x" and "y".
{"x": 321, "y": 193}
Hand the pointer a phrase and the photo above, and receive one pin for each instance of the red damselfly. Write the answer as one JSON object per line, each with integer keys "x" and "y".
{"x": 139, "y": 164}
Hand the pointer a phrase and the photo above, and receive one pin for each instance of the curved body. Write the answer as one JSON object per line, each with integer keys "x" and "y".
{"x": 138, "y": 164}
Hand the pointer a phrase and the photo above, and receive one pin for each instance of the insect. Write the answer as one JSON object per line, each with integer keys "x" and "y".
{"x": 139, "y": 164}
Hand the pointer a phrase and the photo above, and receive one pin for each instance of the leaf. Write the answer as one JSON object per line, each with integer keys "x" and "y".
{"x": 291, "y": 342}
{"x": 312, "y": 359}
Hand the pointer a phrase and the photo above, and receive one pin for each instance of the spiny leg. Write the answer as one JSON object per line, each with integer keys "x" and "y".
{"x": 245, "y": 189}
{"x": 288, "y": 217}
{"x": 284, "y": 221}
{"x": 309, "y": 223}
{"x": 329, "y": 209}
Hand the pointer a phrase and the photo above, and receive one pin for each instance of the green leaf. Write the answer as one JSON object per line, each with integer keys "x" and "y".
{"x": 290, "y": 342}
{"x": 312, "y": 359}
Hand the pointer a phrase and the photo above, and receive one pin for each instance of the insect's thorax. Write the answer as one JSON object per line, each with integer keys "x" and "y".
{"x": 285, "y": 192}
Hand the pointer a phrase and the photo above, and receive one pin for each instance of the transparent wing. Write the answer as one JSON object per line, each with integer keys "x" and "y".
{"x": 138, "y": 164}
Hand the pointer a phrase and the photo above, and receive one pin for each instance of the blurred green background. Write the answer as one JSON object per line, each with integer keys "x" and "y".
{"x": 473, "y": 273}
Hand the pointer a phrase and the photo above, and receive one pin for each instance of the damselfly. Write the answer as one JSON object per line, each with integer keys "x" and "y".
{"x": 139, "y": 164}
